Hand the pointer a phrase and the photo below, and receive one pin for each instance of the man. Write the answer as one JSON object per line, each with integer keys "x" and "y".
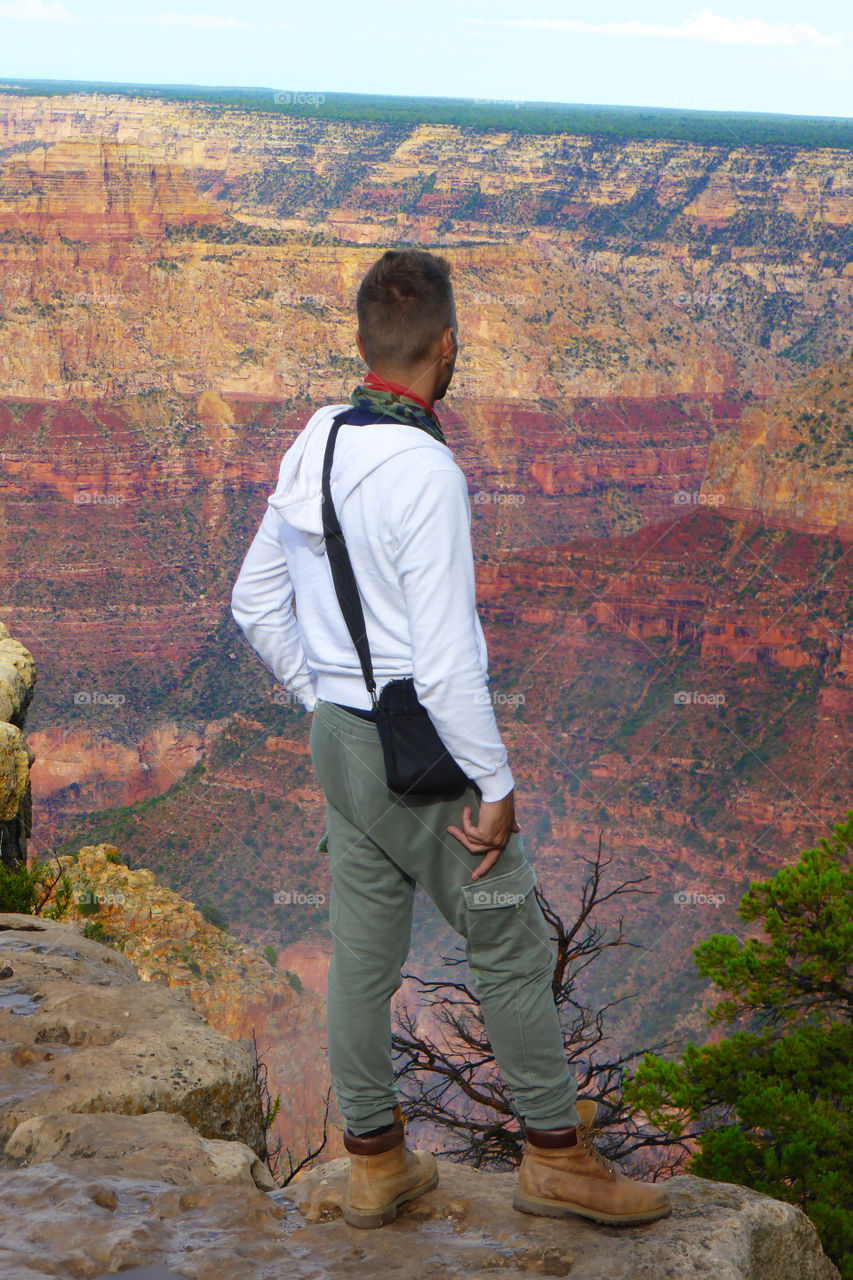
{"x": 403, "y": 506}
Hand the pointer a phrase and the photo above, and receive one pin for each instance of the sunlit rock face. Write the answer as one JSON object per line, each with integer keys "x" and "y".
{"x": 17, "y": 683}
{"x": 162, "y": 246}
{"x": 790, "y": 461}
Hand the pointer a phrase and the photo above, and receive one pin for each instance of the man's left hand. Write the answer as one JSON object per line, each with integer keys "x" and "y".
{"x": 495, "y": 824}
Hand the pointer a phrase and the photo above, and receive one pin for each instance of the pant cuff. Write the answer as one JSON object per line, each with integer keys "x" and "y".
{"x": 366, "y": 1123}
{"x": 558, "y": 1120}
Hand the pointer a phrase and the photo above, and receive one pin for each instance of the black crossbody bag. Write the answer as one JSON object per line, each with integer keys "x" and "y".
{"x": 416, "y": 760}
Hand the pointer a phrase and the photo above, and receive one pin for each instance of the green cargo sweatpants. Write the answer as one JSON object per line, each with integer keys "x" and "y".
{"x": 380, "y": 847}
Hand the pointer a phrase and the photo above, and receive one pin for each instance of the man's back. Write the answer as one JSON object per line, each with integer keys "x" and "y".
{"x": 403, "y": 506}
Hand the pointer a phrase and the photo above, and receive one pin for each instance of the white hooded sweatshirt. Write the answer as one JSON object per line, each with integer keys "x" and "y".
{"x": 403, "y": 507}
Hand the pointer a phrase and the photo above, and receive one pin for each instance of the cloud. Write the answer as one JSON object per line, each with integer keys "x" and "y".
{"x": 35, "y": 10}
{"x": 711, "y": 28}
{"x": 197, "y": 20}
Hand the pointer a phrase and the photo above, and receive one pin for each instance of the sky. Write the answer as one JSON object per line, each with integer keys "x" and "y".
{"x": 759, "y": 55}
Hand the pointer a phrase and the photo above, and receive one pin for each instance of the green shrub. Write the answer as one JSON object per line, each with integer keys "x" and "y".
{"x": 214, "y": 916}
{"x": 18, "y": 889}
{"x": 773, "y": 1099}
{"x": 24, "y": 889}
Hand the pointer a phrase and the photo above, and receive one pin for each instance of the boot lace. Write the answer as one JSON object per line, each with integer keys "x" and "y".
{"x": 588, "y": 1137}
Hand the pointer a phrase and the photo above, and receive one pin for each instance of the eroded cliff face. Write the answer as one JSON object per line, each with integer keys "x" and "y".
{"x": 103, "y": 772}
{"x": 231, "y": 984}
{"x": 791, "y": 460}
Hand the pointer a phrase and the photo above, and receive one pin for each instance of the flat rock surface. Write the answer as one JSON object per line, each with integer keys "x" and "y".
{"x": 155, "y": 1145}
{"x": 64, "y": 1223}
{"x": 73, "y": 1225}
{"x": 79, "y": 1031}
{"x": 467, "y": 1227}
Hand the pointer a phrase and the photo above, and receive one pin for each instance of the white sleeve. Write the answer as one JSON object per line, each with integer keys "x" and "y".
{"x": 262, "y": 605}
{"x": 435, "y": 565}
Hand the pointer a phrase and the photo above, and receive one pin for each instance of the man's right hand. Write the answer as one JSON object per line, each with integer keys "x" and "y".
{"x": 495, "y": 824}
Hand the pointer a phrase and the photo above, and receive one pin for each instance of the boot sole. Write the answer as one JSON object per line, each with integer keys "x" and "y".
{"x": 566, "y": 1209}
{"x": 381, "y": 1217}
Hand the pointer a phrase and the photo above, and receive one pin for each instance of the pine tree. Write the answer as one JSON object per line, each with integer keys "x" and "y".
{"x": 771, "y": 1105}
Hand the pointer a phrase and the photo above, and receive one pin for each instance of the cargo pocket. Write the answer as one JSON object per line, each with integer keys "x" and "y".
{"x": 507, "y": 937}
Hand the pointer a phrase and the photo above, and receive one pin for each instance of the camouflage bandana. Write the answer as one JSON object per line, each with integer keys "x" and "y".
{"x": 397, "y": 408}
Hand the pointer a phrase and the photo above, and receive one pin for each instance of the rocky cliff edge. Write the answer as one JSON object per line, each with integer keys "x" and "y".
{"x": 129, "y": 1132}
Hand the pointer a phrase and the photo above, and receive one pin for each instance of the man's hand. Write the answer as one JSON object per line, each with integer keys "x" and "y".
{"x": 495, "y": 824}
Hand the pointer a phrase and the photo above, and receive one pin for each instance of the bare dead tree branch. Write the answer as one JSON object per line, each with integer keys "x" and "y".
{"x": 272, "y": 1152}
{"x": 48, "y": 882}
{"x": 312, "y": 1153}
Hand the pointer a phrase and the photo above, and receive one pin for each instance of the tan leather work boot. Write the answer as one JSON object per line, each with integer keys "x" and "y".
{"x": 384, "y": 1173}
{"x": 562, "y": 1172}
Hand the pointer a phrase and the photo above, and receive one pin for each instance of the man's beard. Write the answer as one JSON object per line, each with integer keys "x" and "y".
{"x": 445, "y": 383}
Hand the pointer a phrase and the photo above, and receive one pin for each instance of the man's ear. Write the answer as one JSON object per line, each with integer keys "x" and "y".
{"x": 448, "y": 343}
{"x": 360, "y": 345}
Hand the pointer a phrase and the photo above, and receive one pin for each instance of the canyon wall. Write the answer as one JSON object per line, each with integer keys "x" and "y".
{"x": 152, "y": 246}
{"x": 790, "y": 461}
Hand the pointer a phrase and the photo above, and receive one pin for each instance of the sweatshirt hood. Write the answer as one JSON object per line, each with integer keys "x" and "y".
{"x": 298, "y": 495}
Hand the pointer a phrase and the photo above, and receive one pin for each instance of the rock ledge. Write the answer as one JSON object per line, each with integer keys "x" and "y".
{"x": 129, "y": 1139}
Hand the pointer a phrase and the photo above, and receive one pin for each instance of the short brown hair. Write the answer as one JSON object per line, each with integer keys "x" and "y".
{"x": 404, "y": 302}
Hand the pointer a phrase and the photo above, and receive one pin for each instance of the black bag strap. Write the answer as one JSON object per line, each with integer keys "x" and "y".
{"x": 346, "y": 588}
